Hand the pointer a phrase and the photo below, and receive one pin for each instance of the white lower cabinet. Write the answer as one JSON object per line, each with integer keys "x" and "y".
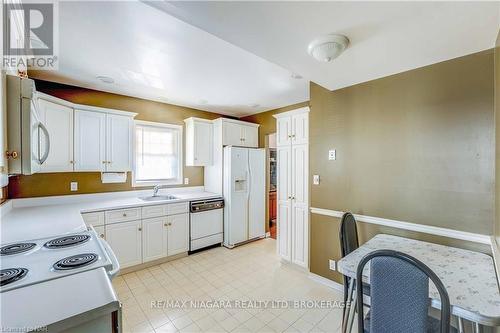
{"x": 154, "y": 238}
{"x": 178, "y": 234}
{"x": 100, "y": 231}
{"x": 126, "y": 241}
{"x": 284, "y": 230}
{"x": 140, "y": 241}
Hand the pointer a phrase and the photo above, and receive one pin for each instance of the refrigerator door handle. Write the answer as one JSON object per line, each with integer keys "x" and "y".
{"x": 249, "y": 188}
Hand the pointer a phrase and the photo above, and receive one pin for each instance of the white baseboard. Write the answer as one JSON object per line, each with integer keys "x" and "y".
{"x": 327, "y": 282}
{"x": 428, "y": 229}
{"x": 268, "y": 234}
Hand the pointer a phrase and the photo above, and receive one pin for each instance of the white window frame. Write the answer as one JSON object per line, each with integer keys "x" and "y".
{"x": 144, "y": 183}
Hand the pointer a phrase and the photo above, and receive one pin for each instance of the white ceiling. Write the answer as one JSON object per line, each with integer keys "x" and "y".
{"x": 156, "y": 56}
{"x": 386, "y": 37}
{"x": 229, "y": 57}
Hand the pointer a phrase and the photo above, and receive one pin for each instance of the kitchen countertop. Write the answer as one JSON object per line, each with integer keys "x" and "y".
{"x": 35, "y": 218}
{"x": 52, "y": 216}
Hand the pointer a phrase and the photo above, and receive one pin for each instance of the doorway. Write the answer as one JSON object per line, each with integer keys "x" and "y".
{"x": 272, "y": 182}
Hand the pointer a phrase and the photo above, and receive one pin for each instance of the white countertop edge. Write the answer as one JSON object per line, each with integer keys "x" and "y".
{"x": 5, "y": 208}
{"x": 90, "y": 197}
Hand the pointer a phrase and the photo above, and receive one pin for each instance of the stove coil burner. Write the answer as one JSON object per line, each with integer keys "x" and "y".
{"x": 77, "y": 261}
{"x": 10, "y": 275}
{"x": 66, "y": 241}
{"x": 16, "y": 248}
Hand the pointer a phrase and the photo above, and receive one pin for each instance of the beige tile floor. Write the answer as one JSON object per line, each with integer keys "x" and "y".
{"x": 252, "y": 272}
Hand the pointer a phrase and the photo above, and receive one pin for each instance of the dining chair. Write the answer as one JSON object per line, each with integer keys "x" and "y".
{"x": 349, "y": 242}
{"x": 399, "y": 295}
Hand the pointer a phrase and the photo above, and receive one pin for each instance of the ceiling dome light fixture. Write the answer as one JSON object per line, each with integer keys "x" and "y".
{"x": 105, "y": 79}
{"x": 327, "y": 48}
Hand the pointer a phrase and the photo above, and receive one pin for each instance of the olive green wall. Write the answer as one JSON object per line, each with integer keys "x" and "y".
{"x": 416, "y": 146}
{"x": 46, "y": 184}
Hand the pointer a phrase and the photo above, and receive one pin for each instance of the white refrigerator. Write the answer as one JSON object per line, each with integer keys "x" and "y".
{"x": 244, "y": 194}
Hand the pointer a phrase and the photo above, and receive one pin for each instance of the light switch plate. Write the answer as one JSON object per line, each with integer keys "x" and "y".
{"x": 73, "y": 186}
{"x": 333, "y": 265}
{"x": 332, "y": 155}
{"x": 186, "y": 181}
{"x": 315, "y": 179}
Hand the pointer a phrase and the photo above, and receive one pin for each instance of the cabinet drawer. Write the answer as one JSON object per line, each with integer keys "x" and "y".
{"x": 93, "y": 219}
{"x": 122, "y": 215}
{"x": 177, "y": 208}
{"x": 154, "y": 211}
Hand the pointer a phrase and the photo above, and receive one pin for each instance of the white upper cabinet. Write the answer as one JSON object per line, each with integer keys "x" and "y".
{"x": 292, "y": 127}
{"x": 118, "y": 143}
{"x": 85, "y": 138}
{"x": 199, "y": 142}
{"x": 231, "y": 134}
{"x": 239, "y": 133}
{"x": 300, "y": 128}
{"x": 283, "y": 131}
{"x": 250, "y": 136}
{"x": 90, "y": 141}
{"x": 58, "y": 119}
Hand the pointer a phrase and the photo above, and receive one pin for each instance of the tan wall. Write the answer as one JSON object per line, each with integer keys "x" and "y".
{"x": 416, "y": 146}
{"x": 45, "y": 184}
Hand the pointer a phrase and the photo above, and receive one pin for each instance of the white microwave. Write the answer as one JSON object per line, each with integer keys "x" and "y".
{"x": 28, "y": 138}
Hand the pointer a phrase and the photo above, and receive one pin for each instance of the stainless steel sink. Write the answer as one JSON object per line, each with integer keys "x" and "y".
{"x": 159, "y": 198}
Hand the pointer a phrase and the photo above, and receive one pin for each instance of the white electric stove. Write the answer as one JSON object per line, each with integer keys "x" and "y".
{"x": 30, "y": 262}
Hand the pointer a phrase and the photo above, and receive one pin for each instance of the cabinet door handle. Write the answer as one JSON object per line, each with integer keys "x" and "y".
{"x": 140, "y": 229}
{"x": 166, "y": 224}
{"x": 170, "y": 223}
{"x": 103, "y": 162}
{"x": 101, "y": 235}
{"x": 124, "y": 214}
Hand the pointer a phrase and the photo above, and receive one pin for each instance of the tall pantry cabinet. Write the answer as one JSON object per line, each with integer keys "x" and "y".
{"x": 292, "y": 141}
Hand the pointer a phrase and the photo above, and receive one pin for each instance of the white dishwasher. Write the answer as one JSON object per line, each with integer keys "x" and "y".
{"x": 206, "y": 223}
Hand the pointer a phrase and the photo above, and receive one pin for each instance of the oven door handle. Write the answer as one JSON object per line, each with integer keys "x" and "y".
{"x": 112, "y": 256}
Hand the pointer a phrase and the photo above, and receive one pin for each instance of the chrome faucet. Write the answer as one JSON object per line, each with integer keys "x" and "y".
{"x": 156, "y": 189}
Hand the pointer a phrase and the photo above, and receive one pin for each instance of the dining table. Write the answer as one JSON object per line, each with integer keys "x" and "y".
{"x": 469, "y": 277}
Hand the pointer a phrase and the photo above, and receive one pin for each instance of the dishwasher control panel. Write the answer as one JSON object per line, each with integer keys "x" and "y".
{"x": 204, "y": 205}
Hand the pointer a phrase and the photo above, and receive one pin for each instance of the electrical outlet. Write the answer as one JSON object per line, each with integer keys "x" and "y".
{"x": 315, "y": 179}
{"x": 73, "y": 186}
{"x": 333, "y": 265}
{"x": 332, "y": 155}
{"x": 186, "y": 181}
